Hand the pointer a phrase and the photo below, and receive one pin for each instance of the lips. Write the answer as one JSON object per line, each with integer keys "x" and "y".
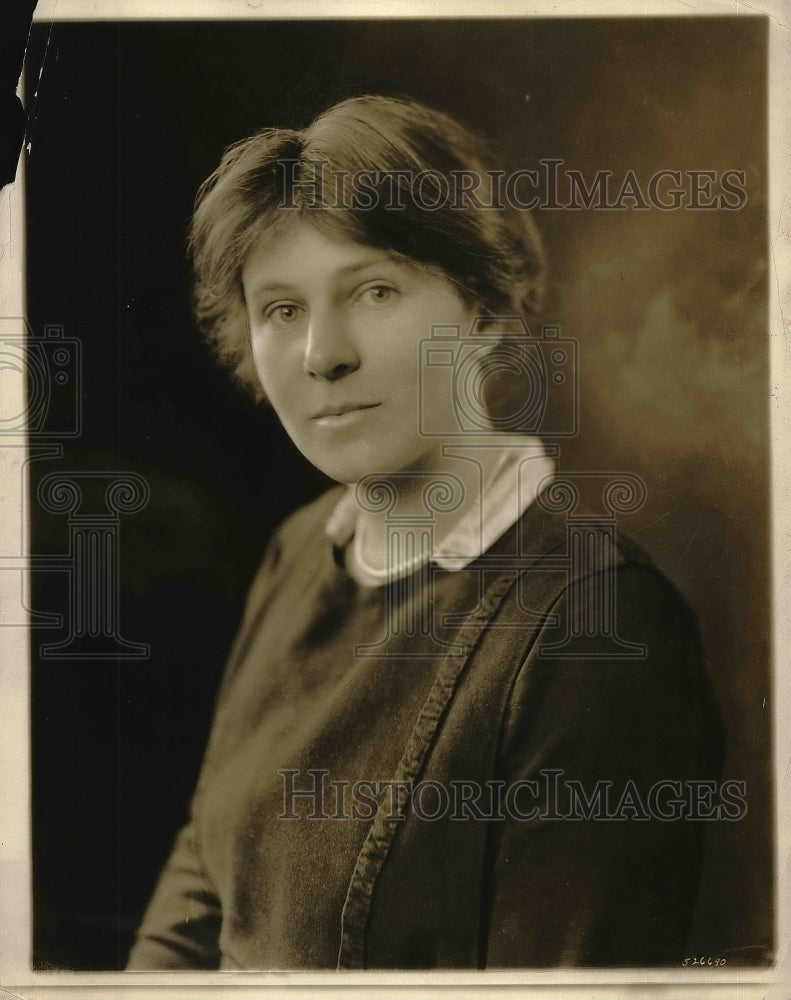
{"x": 338, "y": 409}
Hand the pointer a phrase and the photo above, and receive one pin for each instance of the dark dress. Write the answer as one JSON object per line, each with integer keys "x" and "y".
{"x": 457, "y": 770}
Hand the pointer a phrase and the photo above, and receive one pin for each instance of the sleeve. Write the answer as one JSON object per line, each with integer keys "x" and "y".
{"x": 607, "y": 766}
{"x": 181, "y": 926}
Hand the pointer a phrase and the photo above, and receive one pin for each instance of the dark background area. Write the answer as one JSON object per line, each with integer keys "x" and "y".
{"x": 125, "y": 120}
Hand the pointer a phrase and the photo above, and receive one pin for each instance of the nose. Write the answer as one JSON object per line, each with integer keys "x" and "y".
{"x": 329, "y": 351}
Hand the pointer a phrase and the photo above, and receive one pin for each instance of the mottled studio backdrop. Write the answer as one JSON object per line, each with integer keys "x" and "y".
{"x": 669, "y": 308}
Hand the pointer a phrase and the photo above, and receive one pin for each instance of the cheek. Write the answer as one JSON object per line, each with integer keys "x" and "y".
{"x": 273, "y": 371}
{"x": 396, "y": 352}
{"x": 261, "y": 365}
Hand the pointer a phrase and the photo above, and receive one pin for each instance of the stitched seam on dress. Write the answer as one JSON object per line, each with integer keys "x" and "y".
{"x": 377, "y": 844}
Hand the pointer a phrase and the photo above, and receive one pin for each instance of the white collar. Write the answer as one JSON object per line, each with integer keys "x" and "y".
{"x": 512, "y": 484}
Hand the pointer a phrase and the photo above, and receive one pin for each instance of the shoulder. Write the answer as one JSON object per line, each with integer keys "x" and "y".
{"x": 615, "y": 672}
{"x": 297, "y": 541}
{"x": 607, "y": 610}
{"x": 592, "y": 629}
{"x": 300, "y": 532}
{"x": 307, "y": 522}
{"x": 298, "y": 538}
{"x": 587, "y": 551}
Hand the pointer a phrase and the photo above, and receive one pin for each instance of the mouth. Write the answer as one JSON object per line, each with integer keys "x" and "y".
{"x": 341, "y": 412}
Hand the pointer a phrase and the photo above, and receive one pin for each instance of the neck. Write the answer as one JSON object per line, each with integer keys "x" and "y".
{"x": 400, "y": 513}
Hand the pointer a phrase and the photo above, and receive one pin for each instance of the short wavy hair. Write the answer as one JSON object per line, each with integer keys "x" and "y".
{"x": 493, "y": 256}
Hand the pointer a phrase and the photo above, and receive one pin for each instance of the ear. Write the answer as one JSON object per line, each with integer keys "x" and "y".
{"x": 506, "y": 377}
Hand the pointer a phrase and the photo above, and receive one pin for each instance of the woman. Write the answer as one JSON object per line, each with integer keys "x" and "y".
{"x": 442, "y": 739}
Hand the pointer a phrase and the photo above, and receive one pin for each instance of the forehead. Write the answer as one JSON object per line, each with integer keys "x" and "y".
{"x": 298, "y": 252}
{"x": 300, "y": 243}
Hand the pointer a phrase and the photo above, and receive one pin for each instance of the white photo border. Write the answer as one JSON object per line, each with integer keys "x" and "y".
{"x": 16, "y": 976}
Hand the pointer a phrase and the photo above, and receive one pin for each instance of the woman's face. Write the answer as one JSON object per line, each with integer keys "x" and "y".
{"x": 336, "y": 328}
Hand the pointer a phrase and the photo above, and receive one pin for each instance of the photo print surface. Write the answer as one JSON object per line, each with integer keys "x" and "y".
{"x": 421, "y": 472}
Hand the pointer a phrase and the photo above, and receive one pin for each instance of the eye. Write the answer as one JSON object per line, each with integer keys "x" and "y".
{"x": 377, "y": 295}
{"x": 282, "y": 314}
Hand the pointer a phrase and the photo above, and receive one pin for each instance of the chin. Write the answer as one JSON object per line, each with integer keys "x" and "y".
{"x": 348, "y": 472}
{"x": 354, "y": 468}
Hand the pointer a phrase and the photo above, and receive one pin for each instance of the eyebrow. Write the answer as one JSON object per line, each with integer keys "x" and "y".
{"x": 382, "y": 257}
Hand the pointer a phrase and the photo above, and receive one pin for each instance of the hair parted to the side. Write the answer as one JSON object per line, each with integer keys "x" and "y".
{"x": 493, "y": 256}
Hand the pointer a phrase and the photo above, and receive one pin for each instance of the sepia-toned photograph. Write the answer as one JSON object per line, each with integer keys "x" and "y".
{"x": 391, "y": 498}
